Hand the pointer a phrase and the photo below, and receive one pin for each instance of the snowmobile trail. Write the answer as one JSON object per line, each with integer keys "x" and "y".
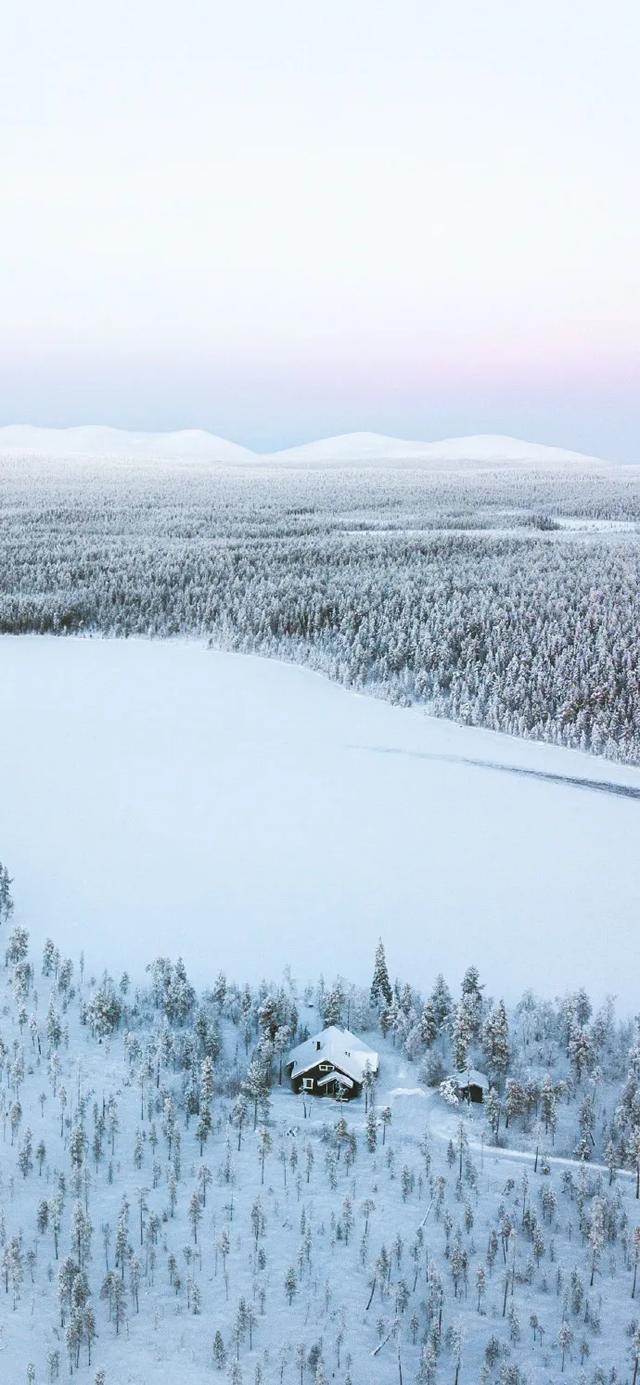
{"x": 443, "y": 1130}
{"x": 545, "y": 776}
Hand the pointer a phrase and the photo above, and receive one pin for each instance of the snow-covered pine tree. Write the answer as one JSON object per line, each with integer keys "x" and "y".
{"x": 333, "y": 1004}
{"x": 580, "y": 1051}
{"x": 472, "y": 996}
{"x": 429, "y": 1027}
{"x": 463, "y": 1029}
{"x": 380, "y": 986}
{"x": 495, "y": 1041}
{"x": 441, "y": 1003}
{"x": 6, "y": 900}
{"x": 493, "y": 1111}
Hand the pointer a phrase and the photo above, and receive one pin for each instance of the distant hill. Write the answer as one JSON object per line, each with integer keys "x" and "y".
{"x": 482, "y": 449}
{"x": 189, "y": 444}
{"x": 348, "y": 449}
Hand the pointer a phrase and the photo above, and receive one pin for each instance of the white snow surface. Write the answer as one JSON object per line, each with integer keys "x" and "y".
{"x": 196, "y": 444}
{"x": 159, "y": 798}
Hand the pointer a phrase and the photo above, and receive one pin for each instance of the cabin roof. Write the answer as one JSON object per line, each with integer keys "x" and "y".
{"x": 337, "y": 1046}
{"x": 471, "y": 1077}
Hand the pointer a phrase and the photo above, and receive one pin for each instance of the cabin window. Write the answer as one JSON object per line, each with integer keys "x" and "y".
{"x": 307, "y": 1083}
{"x": 324, "y": 1067}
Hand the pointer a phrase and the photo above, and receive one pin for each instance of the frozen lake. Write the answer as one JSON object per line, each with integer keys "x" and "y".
{"x": 160, "y": 798}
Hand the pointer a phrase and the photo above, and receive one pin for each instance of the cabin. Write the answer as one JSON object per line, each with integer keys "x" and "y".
{"x": 332, "y": 1063}
{"x": 470, "y": 1085}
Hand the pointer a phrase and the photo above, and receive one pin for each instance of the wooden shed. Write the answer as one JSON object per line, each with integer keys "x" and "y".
{"x": 471, "y": 1085}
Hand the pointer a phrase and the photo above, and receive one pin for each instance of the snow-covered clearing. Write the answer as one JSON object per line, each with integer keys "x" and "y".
{"x": 162, "y": 798}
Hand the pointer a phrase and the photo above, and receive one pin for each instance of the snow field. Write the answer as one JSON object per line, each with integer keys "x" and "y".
{"x": 165, "y": 798}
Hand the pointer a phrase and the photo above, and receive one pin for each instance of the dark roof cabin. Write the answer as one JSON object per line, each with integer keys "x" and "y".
{"x": 331, "y": 1063}
{"x": 470, "y": 1085}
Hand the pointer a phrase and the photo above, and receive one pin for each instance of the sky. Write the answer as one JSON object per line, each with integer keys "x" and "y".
{"x": 284, "y": 219}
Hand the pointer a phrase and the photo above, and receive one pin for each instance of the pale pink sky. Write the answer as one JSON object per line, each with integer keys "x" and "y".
{"x": 285, "y": 219}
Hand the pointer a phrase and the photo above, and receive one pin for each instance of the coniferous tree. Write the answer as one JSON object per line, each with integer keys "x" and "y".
{"x": 381, "y": 992}
{"x": 6, "y": 900}
{"x": 429, "y": 1027}
{"x": 441, "y": 1003}
{"x": 472, "y": 998}
{"x": 463, "y": 1029}
{"x": 495, "y": 1041}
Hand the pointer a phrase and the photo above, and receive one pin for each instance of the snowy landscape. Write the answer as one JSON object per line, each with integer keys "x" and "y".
{"x": 170, "y": 1206}
{"x": 319, "y": 693}
{"x": 201, "y": 847}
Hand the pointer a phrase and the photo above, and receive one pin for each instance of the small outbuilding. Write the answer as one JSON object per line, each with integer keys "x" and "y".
{"x": 334, "y": 1062}
{"x": 470, "y": 1085}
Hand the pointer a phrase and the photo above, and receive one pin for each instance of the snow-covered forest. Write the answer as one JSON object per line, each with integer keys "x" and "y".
{"x": 169, "y": 1207}
{"x": 508, "y": 599}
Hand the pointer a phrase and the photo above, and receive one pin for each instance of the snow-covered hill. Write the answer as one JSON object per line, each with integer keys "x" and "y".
{"x": 189, "y": 444}
{"x": 348, "y": 449}
{"x": 484, "y": 449}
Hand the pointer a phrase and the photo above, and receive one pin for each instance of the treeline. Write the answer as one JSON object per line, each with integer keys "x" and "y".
{"x": 517, "y": 627}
